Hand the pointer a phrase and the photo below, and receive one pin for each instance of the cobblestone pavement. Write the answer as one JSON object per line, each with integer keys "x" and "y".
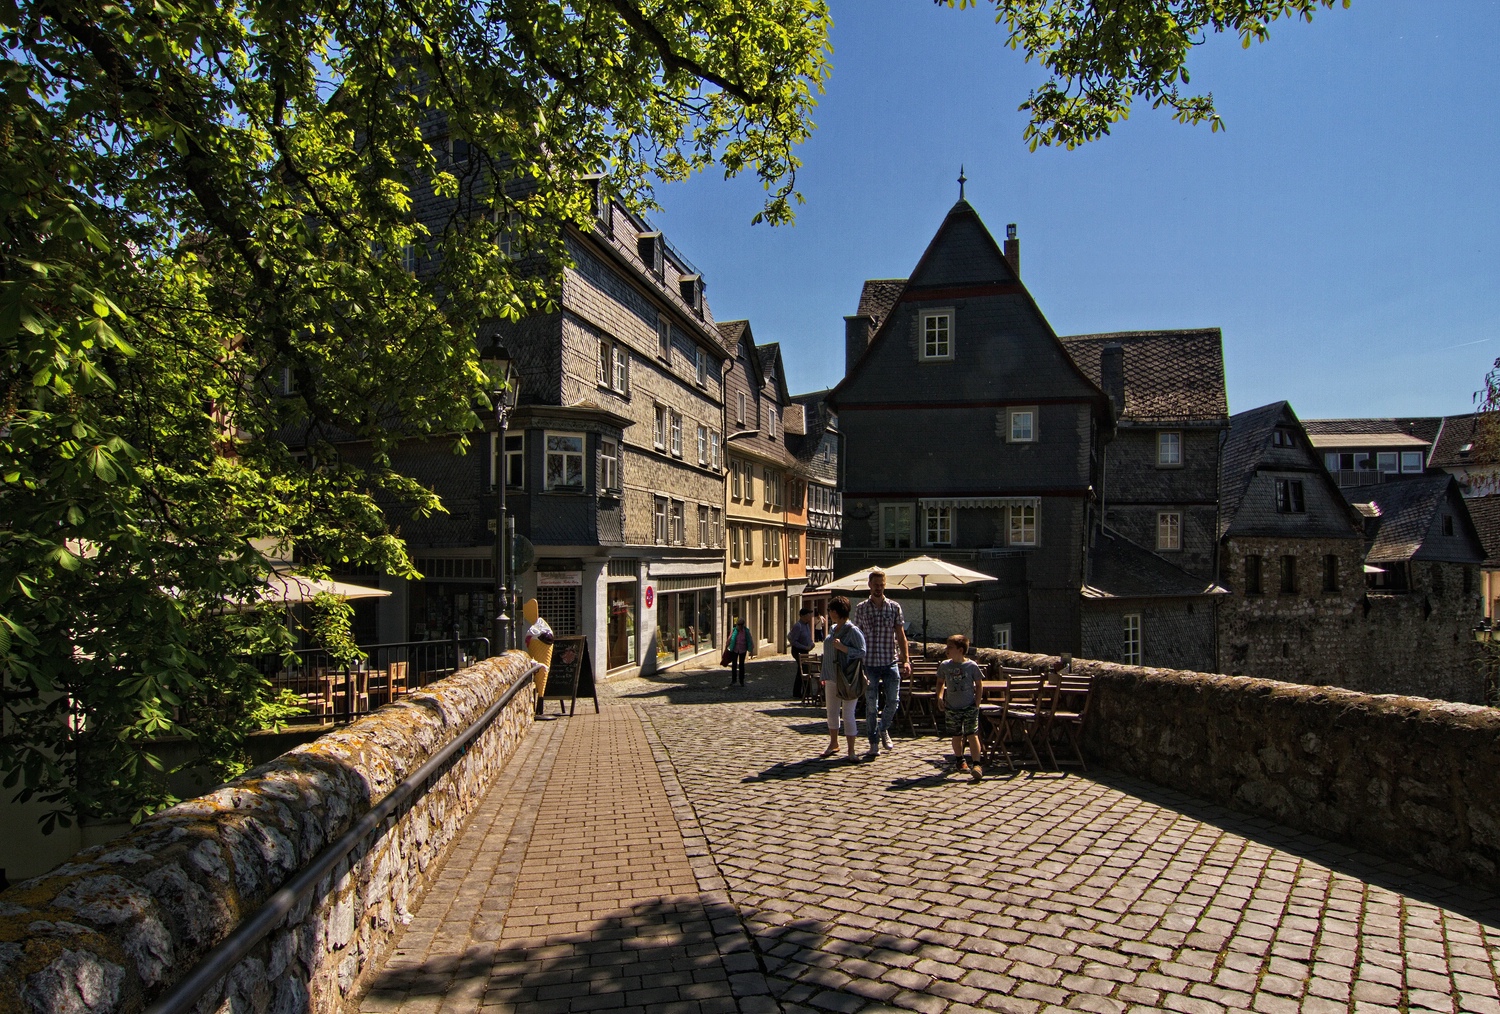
{"x": 791, "y": 883}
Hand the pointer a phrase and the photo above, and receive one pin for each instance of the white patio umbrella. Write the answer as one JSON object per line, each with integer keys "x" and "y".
{"x": 920, "y": 571}
{"x": 292, "y": 588}
{"x": 856, "y": 582}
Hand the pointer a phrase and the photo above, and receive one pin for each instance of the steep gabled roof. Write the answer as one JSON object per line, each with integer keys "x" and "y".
{"x": 1404, "y": 513}
{"x": 819, "y": 418}
{"x": 1121, "y": 569}
{"x": 1170, "y": 376}
{"x": 878, "y": 298}
{"x": 735, "y": 332}
{"x": 1249, "y": 435}
{"x": 1485, "y": 513}
{"x": 1457, "y": 433}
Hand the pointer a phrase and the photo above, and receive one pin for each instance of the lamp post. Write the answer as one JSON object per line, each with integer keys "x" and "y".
{"x": 500, "y": 370}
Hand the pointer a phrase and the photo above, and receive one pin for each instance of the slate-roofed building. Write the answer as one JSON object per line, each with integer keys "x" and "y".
{"x": 973, "y": 433}
{"x": 817, "y": 451}
{"x": 1484, "y": 511}
{"x": 1465, "y": 447}
{"x": 1358, "y": 452}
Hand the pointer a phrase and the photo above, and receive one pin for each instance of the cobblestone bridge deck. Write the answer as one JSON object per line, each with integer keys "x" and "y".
{"x": 682, "y": 852}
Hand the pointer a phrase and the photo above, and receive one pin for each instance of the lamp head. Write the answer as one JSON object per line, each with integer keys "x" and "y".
{"x": 499, "y": 369}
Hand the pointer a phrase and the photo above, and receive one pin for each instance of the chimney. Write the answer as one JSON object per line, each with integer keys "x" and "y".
{"x": 858, "y": 330}
{"x": 1112, "y": 374}
{"x": 1013, "y": 249}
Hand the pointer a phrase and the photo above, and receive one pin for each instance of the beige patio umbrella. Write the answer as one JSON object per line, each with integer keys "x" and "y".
{"x": 920, "y": 571}
{"x": 856, "y": 582}
{"x": 293, "y": 588}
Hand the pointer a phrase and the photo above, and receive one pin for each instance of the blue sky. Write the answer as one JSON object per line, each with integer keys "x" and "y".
{"x": 1342, "y": 231}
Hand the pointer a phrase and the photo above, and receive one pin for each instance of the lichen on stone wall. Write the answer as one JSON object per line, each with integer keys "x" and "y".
{"x": 114, "y": 927}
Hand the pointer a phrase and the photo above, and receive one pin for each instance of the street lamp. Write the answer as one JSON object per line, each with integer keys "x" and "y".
{"x": 499, "y": 370}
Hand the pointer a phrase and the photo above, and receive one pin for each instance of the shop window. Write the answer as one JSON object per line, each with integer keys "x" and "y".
{"x": 623, "y": 621}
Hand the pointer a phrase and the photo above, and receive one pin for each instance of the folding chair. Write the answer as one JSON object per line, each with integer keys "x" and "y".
{"x": 992, "y": 700}
{"x": 1069, "y": 709}
{"x": 1028, "y": 703}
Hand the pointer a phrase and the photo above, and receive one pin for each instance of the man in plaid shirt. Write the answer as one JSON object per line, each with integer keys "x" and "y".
{"x": 880, "y": 620}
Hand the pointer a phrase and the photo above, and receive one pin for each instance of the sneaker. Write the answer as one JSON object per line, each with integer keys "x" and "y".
{"x": 874, "y": 751}
{"x": 960, "y": 765}
{"x": 975, "y": 773}
{"x": 885, "y": 741}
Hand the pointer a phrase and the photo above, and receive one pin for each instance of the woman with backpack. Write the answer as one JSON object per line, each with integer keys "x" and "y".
{"x": 740, "y": 642}
{"x": 844, "y": 648}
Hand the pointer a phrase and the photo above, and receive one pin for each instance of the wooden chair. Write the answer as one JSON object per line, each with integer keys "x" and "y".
{"x": 918, "y": 701}
{"x": 1070, "y": 707}
{"x": 812, "y": 687}
{"x": 993, "y": 696}
{"x": 1028, "y": 703}
{"x": 398, "y": 671}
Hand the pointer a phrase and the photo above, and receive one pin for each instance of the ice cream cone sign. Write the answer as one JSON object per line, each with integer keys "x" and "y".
{"x": 538, "y": 643}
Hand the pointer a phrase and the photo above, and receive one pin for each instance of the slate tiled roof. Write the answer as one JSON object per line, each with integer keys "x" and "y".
{"x": 1170, "y": 376}
{"x": 731, "y": 331}
{"x": 1456, "y": 432}
{"x": 1404, "y": 512}
{"x": 1421, "y": 427}
{"x": 1485, "y": 511}
{"x": 1249, "y": 433}
{"x": 878, "y": 298}
{"x": 1121, "y": 569}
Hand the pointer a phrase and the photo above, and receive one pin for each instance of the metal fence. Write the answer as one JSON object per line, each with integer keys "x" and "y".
{"x": 329, "y": 690}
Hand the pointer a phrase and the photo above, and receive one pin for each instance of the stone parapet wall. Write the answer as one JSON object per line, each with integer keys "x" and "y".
{"x": 1406, "y": 777}
{"x": 117, "y": 925}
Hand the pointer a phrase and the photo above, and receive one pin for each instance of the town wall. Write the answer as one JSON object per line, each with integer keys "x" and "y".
{"x": 1406, "y": 777}
{"x": 120, "y": 923}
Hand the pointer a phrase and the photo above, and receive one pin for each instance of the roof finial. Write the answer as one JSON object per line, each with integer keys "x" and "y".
{"x": 962, "y": 179}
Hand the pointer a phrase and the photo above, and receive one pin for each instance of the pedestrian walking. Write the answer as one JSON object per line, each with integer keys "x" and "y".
{"x": 886, "y": 660}
{"x": 958, "y": 698}
{"x": 844, "y": 644}
{"x": 741, "y": 640}
{"x": 800, "y": 639}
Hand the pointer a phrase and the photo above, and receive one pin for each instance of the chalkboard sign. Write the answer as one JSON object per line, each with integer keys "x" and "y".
{"x": 572, "y": 673}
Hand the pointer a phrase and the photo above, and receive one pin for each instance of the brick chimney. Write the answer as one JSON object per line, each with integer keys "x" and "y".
{"x": 1112, "y": 374}
{"x": 859, "y": 328}
{"x": 1013, "y": 249}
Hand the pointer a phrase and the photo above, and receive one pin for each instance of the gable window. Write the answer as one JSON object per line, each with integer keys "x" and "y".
{"x": 659, "y": 519}
{"x": 609, "y": 465}
{"x": 1252, "y": 574}
{"x": 739, "y": 411}
{"x": 1447, "y": 524}
{"x": 937, "y": 334}
{"x": 565, "y": 461}
{"x": 1288, "y": 575}
{"x": 702, "y": 362}
{"x": 1023, "y": 526}
{"x": 614, "y": 366}
{"x": 713, "y": 446}
{"x": 1169, "y": 448}
{"x": 676, "y": 420}
{"x": 1289, "y": 497}
{"x": 663, "y": 337}
{"x": 1330, "y": 573}
{"x": 1283, "y": 437}
{"x": 937, "y": 523}
{"x": 1132, "y": 638}
{"x": 659, "y": 434}
{"x": 1168, "y": 530}
{"x": 1022, "y": 428}
{"x": 1411, "y": 461}
{"x": 895, "y": 526}
{"x": 702, "y": 445}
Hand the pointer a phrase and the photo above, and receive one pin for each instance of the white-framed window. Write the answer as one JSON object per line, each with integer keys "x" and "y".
{"x": 663, "y": 337}
{"x": 1023, "y": 525}
{"x": 701, "y": 358}
{"x": 794, "y": 547}
{"x": 716, "y": 527}
{"x": 1168, "y": 530}
{"x": 739, "y": 410}
{"x": 659, "y": 434}
{"x": 659, "y": 508}
{"x": 715, "y": 450}
{"x": 1411, "y": 461}
{"x": 773, "y": 490}
{"x": 749, "y": 534}
{"x": 515, "y": 460}
{"x": 676, "y": 423}
{"x": 736, "y": 480}
{"x": 409, "y": 258}
{"x": 677, "y": 523}
{"x": 734, "y": 545}
{"x": 1001, "y": 632}
{"x": 937, "y": 526}
{"x": 1387, "y": 462}
{"x": 1132, "y": 638}
{"x": 1169, "y": 448}
{"x": 614, "y": 366}
{"x": 771, "y": 420}
{"x": 703, "y": 445}
{"x": 749, "y": 470}
{"x": 703, "y": 525}
{"x": 1022, "y": 428}
{"x": 936, "y": 338}
{"x": 565, "y": 461}
{"x": 609, "y": 464}
{"x": 895, "y": 525}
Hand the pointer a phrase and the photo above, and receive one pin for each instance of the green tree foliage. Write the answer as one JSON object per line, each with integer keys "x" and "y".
{"x": 207, "y": 242}
{"x": 1100, "y": 55}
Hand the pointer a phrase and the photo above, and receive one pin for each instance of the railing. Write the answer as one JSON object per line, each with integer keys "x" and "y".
{"x": 330, "y": 690}
{"x": 1358, "y": 476}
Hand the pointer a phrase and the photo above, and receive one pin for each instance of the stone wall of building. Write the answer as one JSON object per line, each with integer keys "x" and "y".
{"x": 1406, "y": 777}
{"x": 1175, "y": 633}
{"x": 119, "y": 924}
{"x": 1415, "y": 642}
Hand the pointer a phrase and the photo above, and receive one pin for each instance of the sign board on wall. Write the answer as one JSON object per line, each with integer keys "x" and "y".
{"x": 650, "y": 596}
{"x": 559, "y": 578}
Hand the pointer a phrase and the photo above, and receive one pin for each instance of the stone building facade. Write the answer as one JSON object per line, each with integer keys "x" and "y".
{"x": 817, "y": 452}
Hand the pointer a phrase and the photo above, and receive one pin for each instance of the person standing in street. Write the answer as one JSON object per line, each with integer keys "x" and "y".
{"x": 801, "y": 640}
{"x": 886, "y": 660}
{"x": 741, "y": 640}
{"x": 843, "y": 645}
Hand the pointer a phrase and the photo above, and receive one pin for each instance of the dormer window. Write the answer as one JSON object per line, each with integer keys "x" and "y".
{"x": 648, "y": 245}
{"x": 935, "y": 341}
{"x": 603, "y": 208}
{"x": 1283, "y": 438}
{"x": 690, "y": 287}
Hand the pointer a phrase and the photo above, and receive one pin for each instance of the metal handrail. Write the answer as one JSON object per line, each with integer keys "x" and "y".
{"x": 234, "y": 948}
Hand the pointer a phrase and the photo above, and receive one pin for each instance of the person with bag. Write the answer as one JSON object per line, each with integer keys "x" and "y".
{"x": 843, "y": 676}
{"x": 740, "y": 642}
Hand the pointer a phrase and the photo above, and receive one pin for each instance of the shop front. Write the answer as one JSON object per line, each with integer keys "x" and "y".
{"x": 624, "y": 614}
{"x": 685, "y": 618}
